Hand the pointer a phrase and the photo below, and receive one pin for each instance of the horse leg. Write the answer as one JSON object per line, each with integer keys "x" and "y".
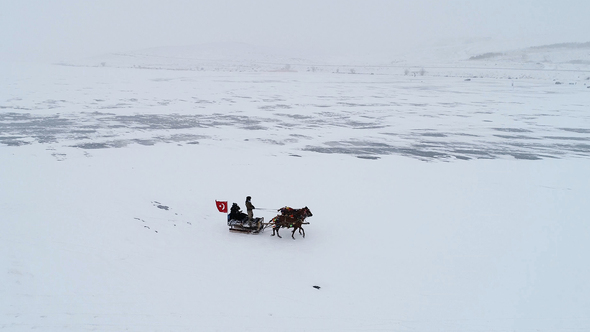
{"x": 301, "y": 229}
{"x": 277, "y": 229}
{"x": 293, "y": 234}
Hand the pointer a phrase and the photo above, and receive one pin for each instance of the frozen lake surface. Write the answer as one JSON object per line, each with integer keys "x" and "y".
{"x": 367, "y": 116}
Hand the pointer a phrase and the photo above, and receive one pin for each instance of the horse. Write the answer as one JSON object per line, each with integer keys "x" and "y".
{"x": 295, "y": 219}
{"x": 287, "y": 222}
{"x": 296, "y": 213}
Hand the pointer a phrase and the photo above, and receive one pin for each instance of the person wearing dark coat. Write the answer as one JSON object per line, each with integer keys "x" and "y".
{"x": 236, "y": 213}
{"x": 249, "y": 208}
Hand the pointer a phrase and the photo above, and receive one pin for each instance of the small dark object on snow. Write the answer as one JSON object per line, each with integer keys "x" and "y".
{"x": 316, "y": 287}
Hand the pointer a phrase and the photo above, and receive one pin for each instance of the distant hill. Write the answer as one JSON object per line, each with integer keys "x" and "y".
{"x": 561, "y": 53}
{"x": 214, "y": 56}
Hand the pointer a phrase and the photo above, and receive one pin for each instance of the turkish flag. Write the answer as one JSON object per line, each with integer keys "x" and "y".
{"x": 221, "y": 206}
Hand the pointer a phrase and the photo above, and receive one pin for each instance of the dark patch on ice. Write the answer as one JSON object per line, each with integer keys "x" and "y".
{"x": 466, "y": 135}
{"x": 156, "y": 121}
{"x": 568, "y": 138}
{"x": 103, "y": 145}
{"x": 434, "y": 134}
{"x": 13, "y": 141}
{"x": 271, "y": 141}
{"x": 295, "y": 116}
{"x": 92, "y": 146}
{"x": 360, "y": 125}
{"x": 580, "y": 148}
{"x": 274, "y": 107}
{"x": 516, "y": 137}
{"x": 368, "y": 149}
{"x": 378, "y": 135}
{"x": 254, "y": 127}
{"x": 471, "y": 152}
{"x": 83, "y": 131}
{"x": 146, "y": 142}
{"x": 525, "y": 156}
{"x": 423, "y": 154}
{"x": 94, "y": 126}
{"x": 179, "y": 138}
{"x": 431, "y": 150}
{"x": 577, "y": 130}
{"x": 513, "y": 130}
{"x": 300, "y": 136}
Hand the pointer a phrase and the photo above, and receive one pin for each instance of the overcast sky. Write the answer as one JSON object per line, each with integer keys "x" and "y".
{"x": 70, "y": 29}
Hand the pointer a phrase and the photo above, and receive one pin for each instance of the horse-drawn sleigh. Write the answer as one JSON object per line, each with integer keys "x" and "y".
{"x": 288, "y": 218}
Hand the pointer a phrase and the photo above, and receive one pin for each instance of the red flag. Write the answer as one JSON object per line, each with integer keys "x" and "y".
{"x": 221, "y": 206}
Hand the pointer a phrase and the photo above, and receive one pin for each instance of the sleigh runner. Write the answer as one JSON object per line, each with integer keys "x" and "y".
{"x": 254, "y": 226}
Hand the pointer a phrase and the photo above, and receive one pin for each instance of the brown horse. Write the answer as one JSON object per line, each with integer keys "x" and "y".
{"x": 287, "y": 222}
{"x": 296, "y": 213}
{"x": 294, "y": 219}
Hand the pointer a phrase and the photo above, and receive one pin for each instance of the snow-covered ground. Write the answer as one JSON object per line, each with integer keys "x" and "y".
{"x": 439, "y": 203}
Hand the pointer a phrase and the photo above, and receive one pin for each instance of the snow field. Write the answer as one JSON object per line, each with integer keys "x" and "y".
{"x": 394, "y": 243}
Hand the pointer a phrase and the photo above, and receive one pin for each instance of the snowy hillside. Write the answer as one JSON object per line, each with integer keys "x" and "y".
{"x": 564, "y": 53}
{"x": 487, "y": 59}
{"x": 441, "y": 202}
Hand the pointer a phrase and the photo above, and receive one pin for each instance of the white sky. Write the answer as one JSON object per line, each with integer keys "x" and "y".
{"x": 70, "y": 29}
